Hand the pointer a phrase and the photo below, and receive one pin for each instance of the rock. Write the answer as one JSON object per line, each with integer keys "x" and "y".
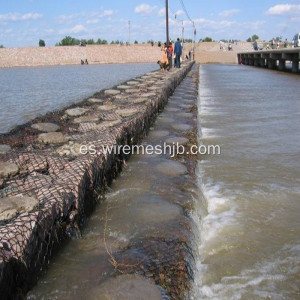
{"x": 112, "y": 92}
{"x": 11, "y": 206}
{"x": 132, "y": 91}
{"x": 138, "y": 100}
{"x": 126, "y": 112}
{"x": 171, "y": 109}
{"x": 95, "y": 100}
{"x": 76, "y": 112}
{"x": 107, "y": 124}
{"x": 8, "y": 169}
{"x": 86, "y": 119}
{"x": 52, "y": 138}
{"x": 185, "y": 115}
{"x": 182, "y": 127}
{"x": 4, "y": 148}
{"x": 46, "y": 127}
{"x": 71, "y": 149}
{"x": 130, "y": 287}
{"x": 123, "y": 87}
{"x": 172, "y": 168}
{"x": 159, "y": 133}
{"x": 106, "y": 107}
{"x": 148, "y": 95}
{"x": 131, "y": 82}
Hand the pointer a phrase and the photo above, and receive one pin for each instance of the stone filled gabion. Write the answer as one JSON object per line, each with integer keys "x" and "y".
{"x": 58, "y": 184}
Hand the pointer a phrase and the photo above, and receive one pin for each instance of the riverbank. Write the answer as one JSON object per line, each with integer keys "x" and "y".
{"x": 205, "y": 52}
{"x": 48, "y": 187}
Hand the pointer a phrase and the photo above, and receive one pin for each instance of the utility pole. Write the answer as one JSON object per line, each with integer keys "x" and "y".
{"x": 128, "y": 32}
{"x": 194, "y": 38}
{"x": 182, "y": 32}
{"x": 167, "y": 22}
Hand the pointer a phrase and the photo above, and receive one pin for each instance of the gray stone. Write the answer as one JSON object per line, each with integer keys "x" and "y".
{"x": 124, "y": 287}
{"x": 182, "y": 127}
{"x": 95, "y": 100}
{"x": 112, "y": 92}
{"x": 172, "y": 168}
{"x": 132, "y": 91}
{"x": 71, "y": 149}
{"x": 76, "y": 112}
{"x": 185, "y": 115}
{"x": 107, "y": 124}
{"x": 123, "y": 87}
{"x": 106, "y": 107}
{"x": 171, "y": 109}
{"x": 11, "y": 206}
{"x": 86, "y": 119}
{"x": 52, "y": 138}
{"x": 8, "y": 169}
{"x": 46, "y": 127}
{"x": 121, "y": 97}
{"x": 126, "y": 112}
{"x": 131, "y": 82}
{"x": 159, "y": 133}
{"x": 138, "y": 100}
{"x": 4, "y": 148}
{"x": 149, "y": 95}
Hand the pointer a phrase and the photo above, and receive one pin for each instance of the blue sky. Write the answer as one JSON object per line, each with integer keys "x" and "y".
{"x": 24, "y": 22}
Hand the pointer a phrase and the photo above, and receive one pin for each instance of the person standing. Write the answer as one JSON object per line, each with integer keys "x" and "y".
{"x": 178, "y": 52}
{"x": 170, "y": 54}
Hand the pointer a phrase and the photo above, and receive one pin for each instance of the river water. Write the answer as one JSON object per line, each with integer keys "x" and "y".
{"x": 249, "y": 211}
{"x": 30, "y": 92}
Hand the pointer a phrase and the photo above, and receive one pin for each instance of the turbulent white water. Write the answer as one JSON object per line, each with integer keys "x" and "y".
{"x": 248, "y": 213}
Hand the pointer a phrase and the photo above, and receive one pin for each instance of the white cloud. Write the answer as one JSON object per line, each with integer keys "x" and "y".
{"x": 144, "y": 9}
{"x": 76, "y": 29}
{"x": 228, "y": 13}
{"x": 162, "y": 12}
{"x": 18, "y": 17}
{"x": 92, "y": 21}
{"x": 284, "y": 9}
{"x": 107, "y": 13}
{"x": 67, "y": 18}
{"x": 179, "y": 13}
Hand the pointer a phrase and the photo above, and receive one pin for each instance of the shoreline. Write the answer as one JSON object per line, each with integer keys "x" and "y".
{"x": 205, "y": 52}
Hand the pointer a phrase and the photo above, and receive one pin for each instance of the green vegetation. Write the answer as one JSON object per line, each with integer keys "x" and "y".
{"x": 253, "y": 38}
{"x": 1, "y": 46}
{"x": 42, "y": 43}
{"x": 71, "y": 41}
{"x": 206, "y": 39}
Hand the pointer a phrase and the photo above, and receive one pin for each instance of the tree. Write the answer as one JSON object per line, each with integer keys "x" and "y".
{"x": 68, "y": 41}
{"x": 1, "y": 46}
{"x": 136, "y": 42}
{"x": 42, "y": 43}
{"x": 208, "y": 39}
{"x": 255, "y": 37}
{"x": 90, "y": 42}
{"x": 249, "y": 40}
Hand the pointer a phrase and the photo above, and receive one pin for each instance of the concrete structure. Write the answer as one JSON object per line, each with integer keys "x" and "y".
{"x": 271, "y": 59}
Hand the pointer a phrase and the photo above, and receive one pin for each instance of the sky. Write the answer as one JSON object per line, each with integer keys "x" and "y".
{"x": 24, "y": 22}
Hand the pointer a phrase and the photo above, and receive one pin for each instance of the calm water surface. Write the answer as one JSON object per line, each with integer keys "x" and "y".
{"x": 249, "y": 212}
{"x": 30, "y": 92}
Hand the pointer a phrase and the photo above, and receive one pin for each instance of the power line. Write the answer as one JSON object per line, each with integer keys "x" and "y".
{"x": 185, "y": 11}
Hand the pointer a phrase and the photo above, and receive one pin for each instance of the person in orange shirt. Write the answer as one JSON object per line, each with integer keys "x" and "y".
{"x": 170, "y": 54}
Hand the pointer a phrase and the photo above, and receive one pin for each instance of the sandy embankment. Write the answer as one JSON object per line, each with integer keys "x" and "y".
{"x": 96, "y": 54}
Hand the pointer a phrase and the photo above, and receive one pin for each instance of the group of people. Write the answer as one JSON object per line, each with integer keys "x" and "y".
{"x": 82, "y": 62}
{"x": 167, "y": 54}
